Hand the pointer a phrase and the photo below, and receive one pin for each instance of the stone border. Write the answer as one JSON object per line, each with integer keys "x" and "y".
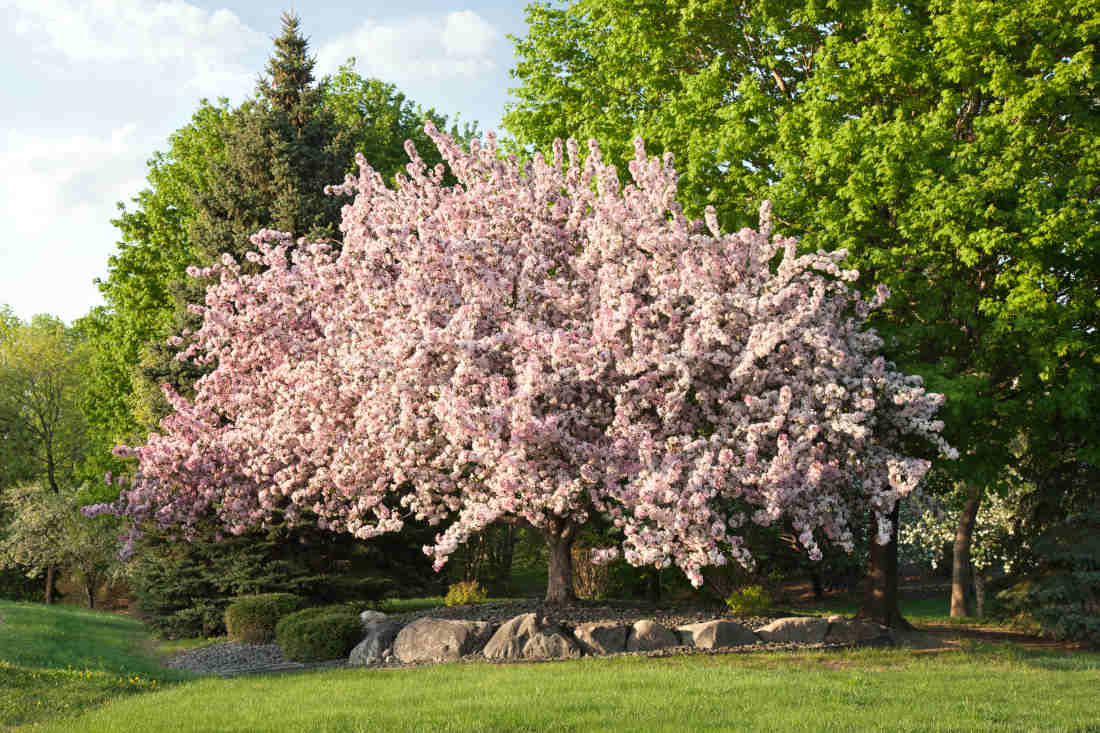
{"x": 533, "y": 637}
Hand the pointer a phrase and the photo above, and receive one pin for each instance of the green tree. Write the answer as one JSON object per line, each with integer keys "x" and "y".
{"x": 952, "y": 147}
{"x": 226, "y": 174}
{"x": 41, "y": 387}
{"x": 47, "y": 532}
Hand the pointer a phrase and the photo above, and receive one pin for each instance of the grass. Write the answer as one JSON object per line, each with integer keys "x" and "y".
{"x": 70, "y": 670}
{"x": 60, "y": 661}
{"x": 985, "y": 688}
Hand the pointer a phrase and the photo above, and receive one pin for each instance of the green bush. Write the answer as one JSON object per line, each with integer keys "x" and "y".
{"x": 751, "y": 600}
{"x": 252, "y": 619}
{"x": 316, "y": 634}
{"x": 464, "y": 593}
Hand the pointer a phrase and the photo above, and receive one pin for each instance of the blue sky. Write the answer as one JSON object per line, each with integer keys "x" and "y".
{"x": 93, "y": 87}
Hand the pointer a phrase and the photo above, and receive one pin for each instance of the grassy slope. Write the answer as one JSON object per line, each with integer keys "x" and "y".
{"x": 61, "y": 660}
{"x": 994, "y": 688}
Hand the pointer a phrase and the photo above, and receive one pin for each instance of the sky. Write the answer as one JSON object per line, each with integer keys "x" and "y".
{"x": 92, "y": 88}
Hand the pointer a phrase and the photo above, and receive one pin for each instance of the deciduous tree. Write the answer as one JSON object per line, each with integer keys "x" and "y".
{"x": 538, "y": 344}
{"x": 953, "y": 147}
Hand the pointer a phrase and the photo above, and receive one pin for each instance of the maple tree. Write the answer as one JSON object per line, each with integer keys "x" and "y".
{"x": 540, "y": 344}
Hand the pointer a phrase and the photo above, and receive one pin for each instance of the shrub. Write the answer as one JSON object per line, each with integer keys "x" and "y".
{"x": 591, "y": 581}
{"x": 465, "y": 592}
{"x": 316, "y": 634}
{"x": 252, "y": 619}
{"x": 749, "y": 601}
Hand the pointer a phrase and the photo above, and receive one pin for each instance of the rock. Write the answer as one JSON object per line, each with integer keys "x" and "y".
{"x": 798, "y": 630}
{"x": 601, "y": 638}
{"x": 648, "y": 635}
{"x": 366, "y": 618}
{"x": 524, "y": 637}
{"x": 376, "y": 644}
{"x": 857, "y": 633}
{"x": 715, "y": 634}
{"x": 440, "y": 640}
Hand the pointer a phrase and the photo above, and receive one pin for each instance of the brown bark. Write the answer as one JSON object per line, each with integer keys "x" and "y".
{"x": 960, "y": 557}
{"x": 49, "y": 584}
{"x": 881, "y": 603}
{"x": 979, "y": 593}
{"x": 560, "y": 534}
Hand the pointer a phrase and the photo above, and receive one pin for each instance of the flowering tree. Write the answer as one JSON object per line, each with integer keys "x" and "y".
{"x": 538, "y": 344}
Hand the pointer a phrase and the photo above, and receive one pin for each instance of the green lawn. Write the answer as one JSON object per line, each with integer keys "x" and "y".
{"x": 61, "y": 660}
{"x": 70, "y": 670}
{"x": 993, "y": 688}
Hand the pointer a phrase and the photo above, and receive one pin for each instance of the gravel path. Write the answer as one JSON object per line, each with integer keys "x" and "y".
{"x": 231, "y": 658}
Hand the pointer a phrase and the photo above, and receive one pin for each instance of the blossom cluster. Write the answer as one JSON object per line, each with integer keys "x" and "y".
{"x": 538, "y": 342}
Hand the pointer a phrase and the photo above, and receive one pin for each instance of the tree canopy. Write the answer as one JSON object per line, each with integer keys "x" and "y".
{"x": 227, "y": 173}
{"x": 538, "y": 344}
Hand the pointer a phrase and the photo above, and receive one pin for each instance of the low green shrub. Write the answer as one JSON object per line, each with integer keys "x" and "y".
{"x": 751, "y": 600}
{"x": 464, "y": 593}
{"x": 316, "y": 634}
{"x": 252, "y": 619}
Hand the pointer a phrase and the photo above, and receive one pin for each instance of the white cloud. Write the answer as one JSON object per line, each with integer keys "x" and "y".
{"x": 462, "y": 44}
{"x": 467, "y": 35}
{"x": 58, "y": 195}
{"x": 203, "y": 46}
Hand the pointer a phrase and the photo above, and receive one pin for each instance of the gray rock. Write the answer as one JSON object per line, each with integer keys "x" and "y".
{"x": 648, "y": 635}
{"x": 440, "y": 640}
{"x": 856, "y": 633}
{"x": 524, "y": 637}
{"x": 378, "y": 640}
{"x": 796, "y": 630}
{"x": 366, "y": 618}
{"x": 715, "y": 634}
{"x": 601, "y": 638}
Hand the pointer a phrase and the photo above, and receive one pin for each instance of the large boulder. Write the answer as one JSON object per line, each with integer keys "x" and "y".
{"x": 528, "y": 637}
{"x": 601, "y": 637}
{"x": 377, "y": 643}
{"x": 716, "y": 634}
{"x": 649, "y": 635}
{"x": 797, "y": 630}
{"x": 857, "y": 633}
{"x": 440, "y": 640}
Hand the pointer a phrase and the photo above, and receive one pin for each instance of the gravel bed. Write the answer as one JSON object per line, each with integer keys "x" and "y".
{"x": 233, "y": 658}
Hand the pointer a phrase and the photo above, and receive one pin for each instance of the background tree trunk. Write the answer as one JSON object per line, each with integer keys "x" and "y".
{"x": 979, "y": 592}
{"x": 960, "y": 558}
{"x": 560, "y": 534}
{"x": 49, "y": 584}
{"x": 881, "y": 603}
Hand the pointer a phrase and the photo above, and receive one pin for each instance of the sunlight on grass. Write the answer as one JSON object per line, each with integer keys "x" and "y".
{"x": 986, "y": 689}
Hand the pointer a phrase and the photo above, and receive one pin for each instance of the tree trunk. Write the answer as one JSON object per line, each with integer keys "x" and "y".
{"x": 560, "y": 534}
{"x": 979, "y": 592}
{"x": 49, "y": 584}
{"x": 818, "y": 583}
{"x": 960, "y": 558}
{"x": 881, "y": 603}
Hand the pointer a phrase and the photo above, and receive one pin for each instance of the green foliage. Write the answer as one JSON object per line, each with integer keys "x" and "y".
{"x": 42, "y": 375}
{"x": 252, "y": 619}
{"x": 464, "y": 593}
{"x": 751, "y": 600}
{"x": 183, "y": 588}
{"x": 1062, "y": 594}
{"x": 47, "y": 529}
{"x": 952, "y": 148}
{"x": 317, "y": 634}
